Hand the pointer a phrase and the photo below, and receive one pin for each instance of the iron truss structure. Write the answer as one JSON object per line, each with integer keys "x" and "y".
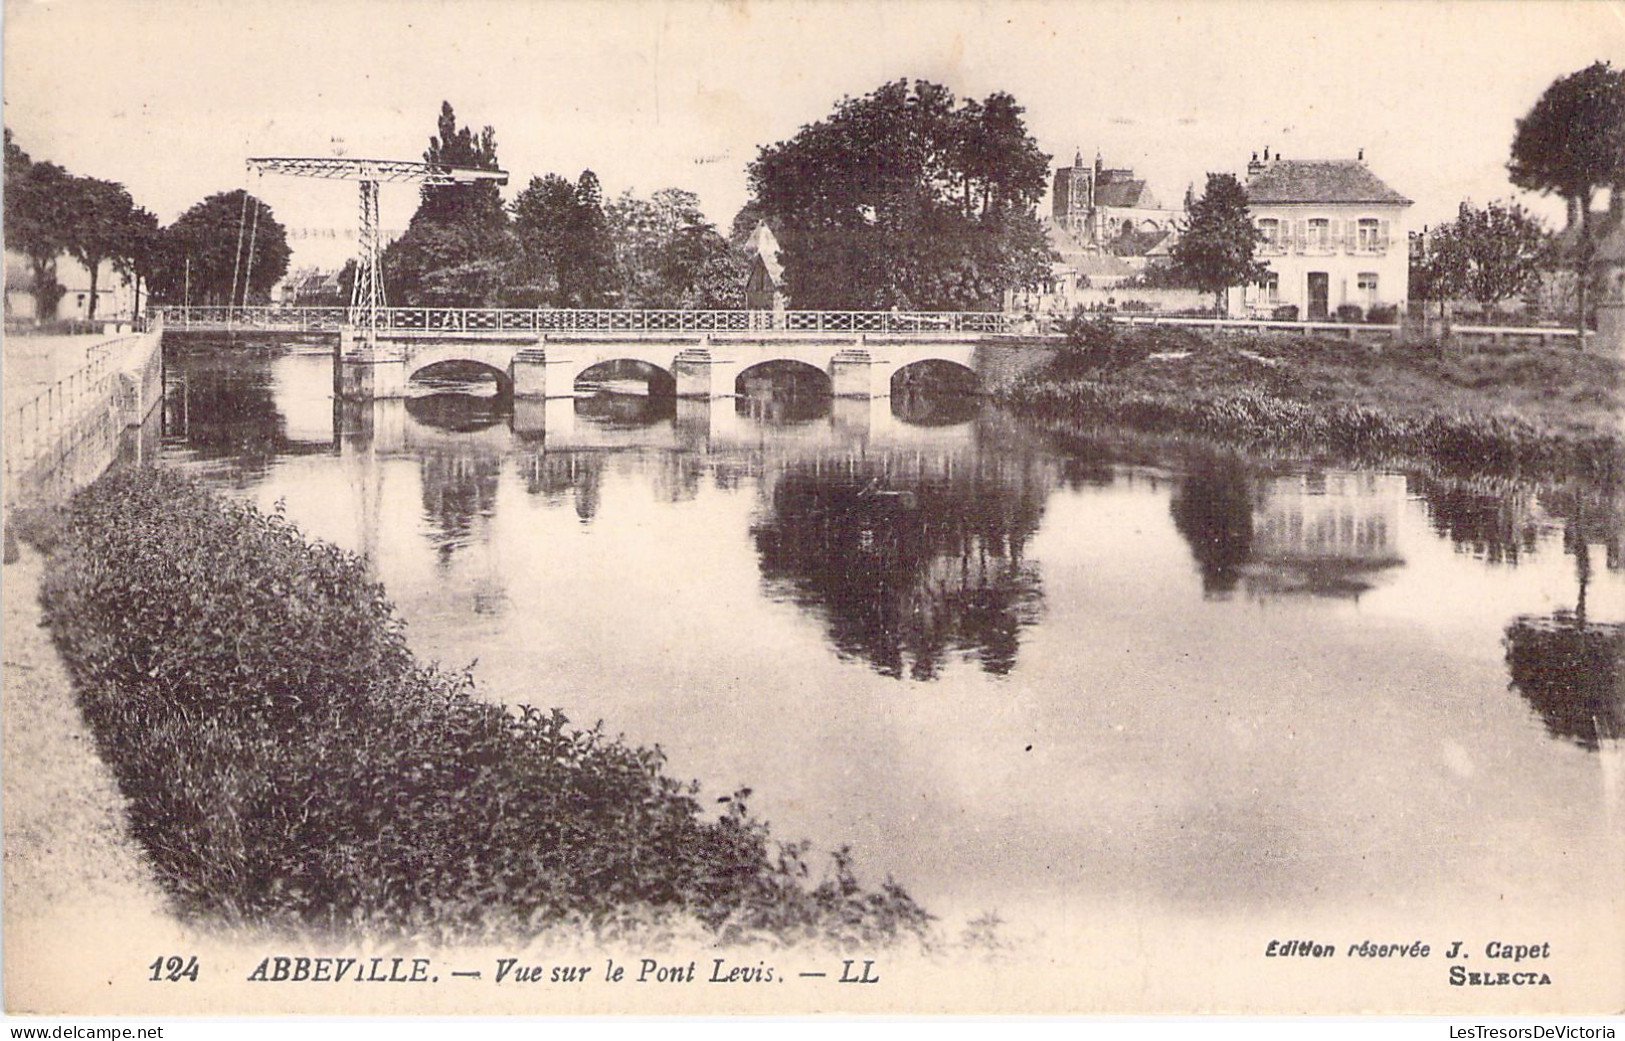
{"x": 367, "y": 301}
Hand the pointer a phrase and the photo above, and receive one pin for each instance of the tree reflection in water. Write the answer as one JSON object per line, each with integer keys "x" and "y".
{"x": 458, "y": 482}
{"x": 1569, "y": 668}
{"x": 222, "y": 406}
{"x": 1212, "y": 508}
{"x": 625, "y": 411}
{"x": 1499, "y": 528}
{"x": 908, "y": 559}
{"x": 1571, "y": 672}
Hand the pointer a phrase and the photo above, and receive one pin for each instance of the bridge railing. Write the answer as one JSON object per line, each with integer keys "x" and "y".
{"x": 563, "y": 320}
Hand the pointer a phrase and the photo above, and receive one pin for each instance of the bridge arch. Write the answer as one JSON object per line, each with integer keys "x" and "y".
{"x": 797, "y": 371}
{"x": 428, "y": 371}
{"x": 949, "y": 374}
{"x": 606, "y": 373}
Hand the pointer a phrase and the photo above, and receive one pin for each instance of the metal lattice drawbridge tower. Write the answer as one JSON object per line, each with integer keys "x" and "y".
{"x": 367, "y": 295}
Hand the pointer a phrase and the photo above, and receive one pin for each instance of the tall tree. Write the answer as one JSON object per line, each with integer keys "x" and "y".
{"x": 229, "y": 248}
{"x": 38, "y": 215}
{"x": 139, "y": 252}
{"x": 666, "y": 253}
{"x": 100, "y": 230}
{"x": 1215, "y": 251}
{"x": 1572, "y": 144}
{"x": 458, "y": 250}
{"x": 1496, "y": 251}
{"x": 903, "y": 198}
{"x": 566, "y": 256}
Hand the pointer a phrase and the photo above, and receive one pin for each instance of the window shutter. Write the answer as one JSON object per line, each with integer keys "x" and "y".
{"x": 1382, "y": 236}
{"x": 1334, "y": 233}
{"x": 1302, "y": 233}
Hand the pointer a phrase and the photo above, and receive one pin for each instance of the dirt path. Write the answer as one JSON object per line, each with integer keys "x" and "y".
{"x": 79, "y": 900}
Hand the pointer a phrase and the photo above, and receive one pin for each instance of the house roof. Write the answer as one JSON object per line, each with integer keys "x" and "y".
{"x": 1100, "y": 265}
{"x": 1063, "y": 242}
{"x": 765, "y": 245}
{"x": 1320, "y": 180}
{"x": 1136, "y": 243}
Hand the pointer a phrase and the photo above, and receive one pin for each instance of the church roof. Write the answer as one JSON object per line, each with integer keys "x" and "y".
{"x": 1127, "y": 194}
{"x": 1320, "y": 180}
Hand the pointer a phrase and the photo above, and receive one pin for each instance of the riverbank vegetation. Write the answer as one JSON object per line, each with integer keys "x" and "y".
{"x": 1516, "y": 412}
{"x": 290, "y": 764}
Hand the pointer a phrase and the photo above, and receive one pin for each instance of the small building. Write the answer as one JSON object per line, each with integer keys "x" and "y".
{"x": 764, "y": 285}
{"x": 1607, "y": 247}
{"x": 1333, "y": 235}
{"x": 115, "y": 295}
{"x": 310, "y": 287}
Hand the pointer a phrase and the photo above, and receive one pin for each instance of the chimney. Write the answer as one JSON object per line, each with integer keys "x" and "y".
{"x": 1254, "y": 167}
{"x": 1360, "y": 157}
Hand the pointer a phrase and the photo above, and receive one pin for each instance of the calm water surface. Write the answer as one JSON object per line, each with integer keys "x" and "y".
{"x": 1016, "y": 672}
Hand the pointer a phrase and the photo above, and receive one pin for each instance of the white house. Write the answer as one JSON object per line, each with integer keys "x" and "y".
{"x": 114, "y": 292}
{"x": 1334, "y": 234}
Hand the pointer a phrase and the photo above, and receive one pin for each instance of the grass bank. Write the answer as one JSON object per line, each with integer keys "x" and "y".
{"x": 1519, "y": 412}
{"x": 289, "y": 763}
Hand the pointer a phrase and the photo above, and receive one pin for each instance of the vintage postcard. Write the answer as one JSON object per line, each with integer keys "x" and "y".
{"x": 814, "y": 506}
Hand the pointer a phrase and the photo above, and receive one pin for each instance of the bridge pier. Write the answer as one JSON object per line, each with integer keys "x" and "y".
{"x": 856, "y": 373}
{"x": 363, "y": 372}
{"x": 542, "y": 372}
{"x": 538, "y": 419}
{"x": 706, "y": 423}
{"x": 701, "y": 374}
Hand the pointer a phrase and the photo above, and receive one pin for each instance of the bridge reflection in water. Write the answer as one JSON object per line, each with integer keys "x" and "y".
{"x": 905, "y": 539}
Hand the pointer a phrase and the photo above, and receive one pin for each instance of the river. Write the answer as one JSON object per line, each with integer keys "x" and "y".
{"x": 1018, "y": 672}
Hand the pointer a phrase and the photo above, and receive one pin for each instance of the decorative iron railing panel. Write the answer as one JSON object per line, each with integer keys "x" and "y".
{"x": 548, "y": 320}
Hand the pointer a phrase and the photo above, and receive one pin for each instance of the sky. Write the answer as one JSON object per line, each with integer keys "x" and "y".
{"x": 170, "y": 96}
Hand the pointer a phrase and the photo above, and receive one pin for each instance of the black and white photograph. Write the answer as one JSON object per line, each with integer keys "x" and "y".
{"x": 795, "y": 507}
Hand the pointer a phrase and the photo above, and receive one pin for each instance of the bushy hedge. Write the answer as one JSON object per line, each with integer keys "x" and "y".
{"x": 288, "y": 761}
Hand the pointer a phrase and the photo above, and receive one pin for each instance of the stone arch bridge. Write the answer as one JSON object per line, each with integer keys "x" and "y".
{"x": 541, "y": 353}
{"x": 703, "y": 366}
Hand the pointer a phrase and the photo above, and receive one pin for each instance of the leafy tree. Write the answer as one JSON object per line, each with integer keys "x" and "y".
{"x": 666, "y": 253}
{"x": 719, "y": 282}
{"x": 542, "y": 216}
{"x": 101, "y": 228}
{"x": 588, "y": 279}
{"x": 1572, "y": 144}
{"x": 1495, "y": 252}
{"x": 903, "y": 198}
{"x": 38, "y": 214}
{"x": 566, "y": 256}
{"x": 1436, "y": 273}
{"x": 1215, "y": 251}
{"x": 229, "y": 240}
{"x": 477, "y": 202}
{"x": 140, "y": 251}
{"x": 458, "y": 250}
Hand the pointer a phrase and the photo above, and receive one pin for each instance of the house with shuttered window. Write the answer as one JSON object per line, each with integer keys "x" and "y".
{"x": 1333, "y": 234}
